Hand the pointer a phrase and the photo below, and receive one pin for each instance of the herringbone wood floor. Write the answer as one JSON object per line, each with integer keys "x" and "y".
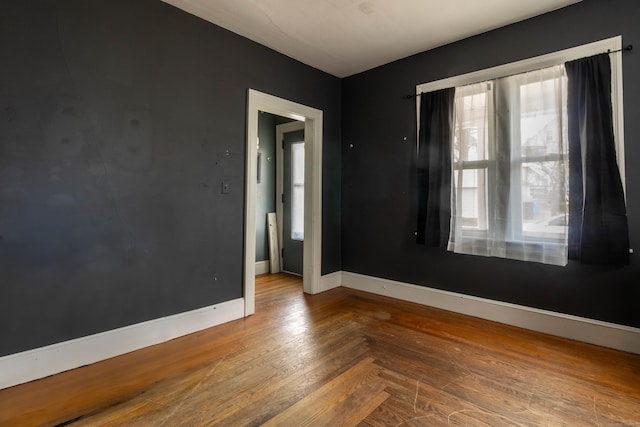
{"x": 342, "y": 358}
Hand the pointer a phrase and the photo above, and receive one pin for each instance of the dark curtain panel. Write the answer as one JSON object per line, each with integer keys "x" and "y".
{"x": 434, "y": 167}
{"x": 598, "y": 230}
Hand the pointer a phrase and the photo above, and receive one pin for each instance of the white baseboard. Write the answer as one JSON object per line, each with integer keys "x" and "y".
{"x": 330, "y": 281}
{"x": 604, "y": 334}
{"x": 41, "y": 362}
{"x": 262, "y": 267}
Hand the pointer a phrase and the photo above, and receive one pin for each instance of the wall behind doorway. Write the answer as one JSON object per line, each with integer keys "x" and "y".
{"x": 266, "y": 187}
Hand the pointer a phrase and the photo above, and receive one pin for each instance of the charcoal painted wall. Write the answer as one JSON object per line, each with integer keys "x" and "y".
{"x": 378, "y": 240}
{"x": 266, "y": 187}
{"x": 118, "y": 122}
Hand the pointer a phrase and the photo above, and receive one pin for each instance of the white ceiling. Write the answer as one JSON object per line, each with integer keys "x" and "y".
{"x": 345, "y": 37}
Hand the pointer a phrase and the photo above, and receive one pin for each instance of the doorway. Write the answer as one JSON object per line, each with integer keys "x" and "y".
{"x": 290, "y": 191}
{"x": 312, "y": 244}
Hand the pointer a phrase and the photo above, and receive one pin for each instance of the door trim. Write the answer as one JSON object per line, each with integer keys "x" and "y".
{"x": 280, "y": 131}
{"x": 313, "y": 124}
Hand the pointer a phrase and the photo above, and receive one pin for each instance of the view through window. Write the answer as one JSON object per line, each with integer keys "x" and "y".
{"x": 297, "y": 191}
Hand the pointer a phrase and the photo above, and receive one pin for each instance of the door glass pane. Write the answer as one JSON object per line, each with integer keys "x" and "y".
{"x": 297, "y": 191}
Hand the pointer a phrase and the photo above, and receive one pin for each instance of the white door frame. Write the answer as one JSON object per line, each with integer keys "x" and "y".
{"x": 280, "y": 131}
{"x": 258, "y": 101}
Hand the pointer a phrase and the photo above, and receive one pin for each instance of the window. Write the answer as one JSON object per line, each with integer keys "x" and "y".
{"x": 510, "y": 156}
{"x": 510, "y": 166}
{"x": 297, "y": 191}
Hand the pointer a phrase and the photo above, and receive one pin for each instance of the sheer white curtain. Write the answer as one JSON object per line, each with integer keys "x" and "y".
{"x": 510, "y": 169}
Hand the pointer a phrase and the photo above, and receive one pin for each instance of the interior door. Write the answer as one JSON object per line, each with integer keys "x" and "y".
{"x": 293, "y": 201}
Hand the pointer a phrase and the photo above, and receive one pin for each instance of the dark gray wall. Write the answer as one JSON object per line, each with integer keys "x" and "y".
{"x": 266, "y": 188}
{"x": 379, "y": 180}
{"x": 118, "y": 122}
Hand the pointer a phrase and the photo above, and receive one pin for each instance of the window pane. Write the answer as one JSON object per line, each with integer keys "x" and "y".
{"x": 470, "y": 205}
{"x": 544, "y": 199}
{"x": 470, "y": 178}
{"x": 297, "y": 191}
{"x": 471, "y": 133}
{"x": 472, "y": 198}
{"x": 543, "y": 114}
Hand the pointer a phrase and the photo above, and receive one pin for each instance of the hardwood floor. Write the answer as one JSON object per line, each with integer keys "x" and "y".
{"x": 342, "y": 358}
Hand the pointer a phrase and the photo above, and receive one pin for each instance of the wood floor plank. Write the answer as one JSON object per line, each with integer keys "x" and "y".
{"x": 313, "y": 409}
{"x": 279, "y": 396}
{"x": 342, "y": 357}
{"x": 356, "y": 407}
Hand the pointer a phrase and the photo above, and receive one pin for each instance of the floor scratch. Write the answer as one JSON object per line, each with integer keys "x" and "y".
{"x": 525, "y": 410}
{"x": 413, "y": 419}
{"x": 461, "y": 377}
{"x": 478, "y": 411}
{"x": 415, "y": 399}
{"x": 595, "y": 411}
{"x": 454, "y": 362}
{"x": 195, "y": 387}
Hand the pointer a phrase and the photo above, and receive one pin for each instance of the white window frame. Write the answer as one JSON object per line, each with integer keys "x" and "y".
{"x": 612, "y": 44}
{"x": 487, "y": 165}
{"x": 519, "y": 160}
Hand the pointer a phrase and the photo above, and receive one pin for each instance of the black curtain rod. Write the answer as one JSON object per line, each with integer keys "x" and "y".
{"x": 627, "y": 48}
